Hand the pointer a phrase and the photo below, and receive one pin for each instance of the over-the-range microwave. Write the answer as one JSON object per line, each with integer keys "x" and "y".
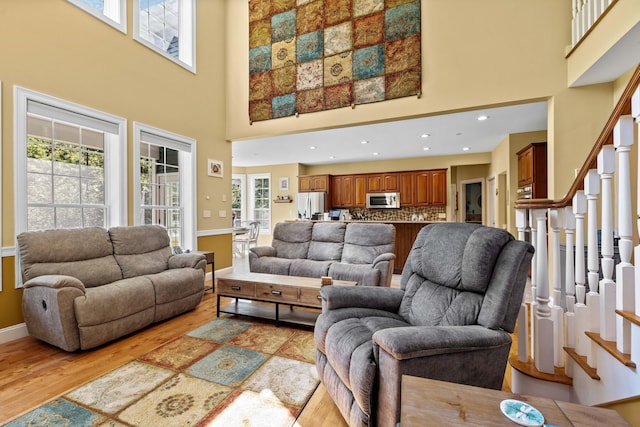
{"x": 383, "y": 200}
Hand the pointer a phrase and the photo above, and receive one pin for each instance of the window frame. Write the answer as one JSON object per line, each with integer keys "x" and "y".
{"x": 120, "y": 9}
{"x": 115, "y": 157}
{"x": 186, "y": 31}
{"x": 251, "y": 199}
{"x": 243, "y": 194}
{"x": 188, "y": 179}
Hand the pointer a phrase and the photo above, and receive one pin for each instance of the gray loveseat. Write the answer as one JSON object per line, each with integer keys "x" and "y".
{"x": 361, "y": 252}
{"x": 87, "y": 286}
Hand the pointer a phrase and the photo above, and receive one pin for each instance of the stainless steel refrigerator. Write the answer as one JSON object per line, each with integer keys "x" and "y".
{"x": 311, "y": 205}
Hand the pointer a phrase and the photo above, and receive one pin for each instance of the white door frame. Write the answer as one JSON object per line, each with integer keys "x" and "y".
{"x": 491, "y": 201}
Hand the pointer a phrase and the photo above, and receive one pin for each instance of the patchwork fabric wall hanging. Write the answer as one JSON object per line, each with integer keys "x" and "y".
{"x": 314, "y": 55}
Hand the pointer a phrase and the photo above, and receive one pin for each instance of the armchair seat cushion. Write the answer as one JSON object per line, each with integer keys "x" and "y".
{"x": 348, "y": 345}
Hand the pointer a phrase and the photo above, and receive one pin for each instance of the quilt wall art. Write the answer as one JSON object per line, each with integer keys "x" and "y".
{"x": 313, "y": 55}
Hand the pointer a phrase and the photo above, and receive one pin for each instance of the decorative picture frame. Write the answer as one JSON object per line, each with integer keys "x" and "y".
{"x": 284, "y": 183}
{"x": 215, "y": 168}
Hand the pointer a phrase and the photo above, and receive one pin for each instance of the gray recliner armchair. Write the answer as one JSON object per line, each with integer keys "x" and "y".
{"x": 459, "y": 297}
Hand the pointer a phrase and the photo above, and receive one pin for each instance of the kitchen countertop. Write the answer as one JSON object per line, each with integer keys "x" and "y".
{"x": 375, "y": 220}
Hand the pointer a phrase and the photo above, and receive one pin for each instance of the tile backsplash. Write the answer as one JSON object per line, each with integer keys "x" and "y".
{"x": 429, "y": 213}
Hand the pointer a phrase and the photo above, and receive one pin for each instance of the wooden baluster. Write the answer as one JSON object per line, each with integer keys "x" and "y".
{"x": 574, "y": 23}
{"x": 635, "y": 112}
{"x": 606, "y": 167}
{"x": 625, "y": 275}
{"x": 557, "y": 314}
{"x": 523, "y": 314}
{"x": 543, "y": 330}
{"x": 591, "y": 190}
{"x": 580, "y": 309}
{"x": 569, "y": 284}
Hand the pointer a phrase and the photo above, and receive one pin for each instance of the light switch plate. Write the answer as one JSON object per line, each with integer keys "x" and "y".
{"x": 206, "y": 214}
{"x": 222, "y": 213}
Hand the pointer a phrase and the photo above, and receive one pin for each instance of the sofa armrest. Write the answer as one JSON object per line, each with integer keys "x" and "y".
{"x": 388, "y": 256}
{"x": 422, "y": 341}
{"x": 260, "y": 251}
{"x": 188, "y": 259}
{"x": 335, "y": 297}
{"x": 54, "y": 282}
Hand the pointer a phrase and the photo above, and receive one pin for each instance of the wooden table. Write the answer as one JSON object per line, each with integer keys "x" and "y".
{"x": 438, "y": 403}
{"x": 276, "y": 290}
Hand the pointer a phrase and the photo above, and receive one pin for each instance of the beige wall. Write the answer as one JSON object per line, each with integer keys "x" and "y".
{"x": 55, "y": 48}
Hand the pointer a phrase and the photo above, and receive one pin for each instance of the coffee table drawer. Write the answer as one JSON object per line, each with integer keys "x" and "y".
{"x": 277, "y": 293}
{"x": 310, "y": 296}
{"x": 237, "y": 288}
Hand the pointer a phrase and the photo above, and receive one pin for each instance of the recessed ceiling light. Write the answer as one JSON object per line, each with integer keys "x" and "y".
{"x": 375, "y": 153}
{"x": 313, "y": 147}
{"x": 425, "y": 135}
{"x": 427, "y": 148}
{"x": 364, "y": 141}
{"x": 332, "y": 157}
{"x": 465, "y": 148}
{"x": 458, "y": 133}
{"x": 482, "y": 117}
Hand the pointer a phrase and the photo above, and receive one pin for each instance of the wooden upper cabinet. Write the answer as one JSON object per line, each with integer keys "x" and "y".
{"x": 407, "y": 189}
{"x": 431, "y": 188}
{"x": 313, "y": 183}
{"x": 383, "y": 182}
{"x": 532, "y": 169}
{"x": 360, "y": 191}
{"x": 342, "y": 191}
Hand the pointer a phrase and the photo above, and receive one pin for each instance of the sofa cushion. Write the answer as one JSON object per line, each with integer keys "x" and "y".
{"x": 172, "y": 285}
{"x": 327, "y": 241}
{"x": 83, "y": 253}
{"x": 309, "y": 268}
{"x": 271, "y": 265}
{"x": 141, "y": 250}
{"x": 364, "y": 274}
{"x": 114, "y": 301}
{"x": 291, "y": 239}
{"x": 363, "y": 242}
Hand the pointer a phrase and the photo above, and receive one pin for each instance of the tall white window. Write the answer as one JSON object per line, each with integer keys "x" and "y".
{"x": 68, "y": 161}
{"x": 259, "y": 200}
{"x": 164, "y": 178}
{"x": 112, "y": 12}
{"x": 168, "y": 27}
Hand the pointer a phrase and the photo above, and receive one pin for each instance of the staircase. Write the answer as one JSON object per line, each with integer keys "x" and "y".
{"x": 580, "y": 341}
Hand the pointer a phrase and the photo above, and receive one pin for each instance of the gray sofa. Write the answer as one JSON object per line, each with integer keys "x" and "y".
{"x": 459, "y": 297}
{"x": 357, "y": 251}
{"x": 84, "y": 287}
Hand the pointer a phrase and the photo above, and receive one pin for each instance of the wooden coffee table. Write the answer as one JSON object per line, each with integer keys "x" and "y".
{"x": 274, "y": 290}
{"x": 438, "y": 403}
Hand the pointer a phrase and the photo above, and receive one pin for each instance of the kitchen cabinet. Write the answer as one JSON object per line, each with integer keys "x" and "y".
{"x": 313, "y": 183}
{"x": 360, "y": 191}
{"x": 342, "y": 191}
{"x": 431, "y": 188}
{"x": 532, "y": 169}
{"x": 407, "y": 189}
{"x": 383, "y": 182}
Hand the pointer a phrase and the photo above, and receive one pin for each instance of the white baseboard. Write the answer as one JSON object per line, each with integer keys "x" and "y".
{"x": 13, "y": 333}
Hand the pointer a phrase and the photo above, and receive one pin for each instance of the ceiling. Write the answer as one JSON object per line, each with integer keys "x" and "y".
{"x": 448, "y": 134}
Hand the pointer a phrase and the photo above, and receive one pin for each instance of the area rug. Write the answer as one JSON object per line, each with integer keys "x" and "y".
{"x": 225, "y": 373}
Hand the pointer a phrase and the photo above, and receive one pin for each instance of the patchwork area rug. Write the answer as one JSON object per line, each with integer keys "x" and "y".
{"x": 224, "y": 373}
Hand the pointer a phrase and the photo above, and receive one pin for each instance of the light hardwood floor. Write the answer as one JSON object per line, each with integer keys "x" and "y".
{"x": 33, "y": 372}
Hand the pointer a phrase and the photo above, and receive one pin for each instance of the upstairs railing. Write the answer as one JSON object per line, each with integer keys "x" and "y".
{"x": 574, "y": 323}
{"x": 586, "y": 14}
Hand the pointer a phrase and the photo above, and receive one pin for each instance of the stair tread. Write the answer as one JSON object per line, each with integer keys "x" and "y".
{"x": 582, "y": 361}
{"x": 610, "y": 347}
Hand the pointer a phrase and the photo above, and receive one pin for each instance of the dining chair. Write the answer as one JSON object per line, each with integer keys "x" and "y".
{"x": 247, "y": 239}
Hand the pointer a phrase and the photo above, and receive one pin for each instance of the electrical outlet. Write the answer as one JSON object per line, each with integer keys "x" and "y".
{"x": 442, "y": 215}
{"x": 222, "y": 213}
{"x": 206, "y": 214}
